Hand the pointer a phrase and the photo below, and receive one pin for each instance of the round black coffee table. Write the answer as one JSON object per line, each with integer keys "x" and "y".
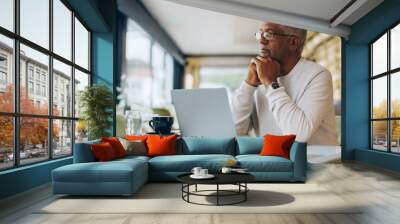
{"x": 238, "y": 179}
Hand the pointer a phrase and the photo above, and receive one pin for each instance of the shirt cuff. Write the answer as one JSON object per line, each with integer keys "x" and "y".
{"x": 246, "y": 88}
{"x": 275, "y": 94}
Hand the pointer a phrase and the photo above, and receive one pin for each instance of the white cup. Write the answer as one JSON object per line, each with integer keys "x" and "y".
{"x": 196, "y": 171}
{"x": 226, "y": 170}
{"x": 203, "y": 172}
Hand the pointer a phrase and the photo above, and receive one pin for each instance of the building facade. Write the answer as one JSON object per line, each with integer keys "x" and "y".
{"x": 34, "y": 81}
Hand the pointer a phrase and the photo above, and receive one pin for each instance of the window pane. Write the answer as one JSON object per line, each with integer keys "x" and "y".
{"x": 395, "y": 47}
{"x": 137, "y": 88}
{"x": 138, "y": 44}
{"x": 158, "y": 76}
{"x": 62, "y": 89}
{"x": 169, "y": 82}
{"x": 379, "y": 55}
{"x": 81, "y": 45}
{"x": 6, "y": 142}
{"x": 34, "y": 72}
{"x": 228, "y": 77}
{"x": 395, "y": 94}
{"x": 62, "y": 138}
{"x": 136, "y": 84}
{"x": 7, "y": 14}
{"x": 35, "y": 21}
{"x": 379, "y": 135}
{"x": 81, "y": 131}
{"x": 395, "y": 138}
{"x": 62, "y": 29}
{"x": 33, "y": 139}
{"x": 6, "y": 74}
{"x": 379, "y": 97}
{"x": 81, "y": 81}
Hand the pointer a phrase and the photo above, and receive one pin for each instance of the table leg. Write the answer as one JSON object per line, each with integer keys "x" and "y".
{"x": 188, "y": 189}
{"x": 182, "y": 188}
{"x": 217, "y": 194}
{"x": 196, "y": 188}
{"x": 245, "y": 193}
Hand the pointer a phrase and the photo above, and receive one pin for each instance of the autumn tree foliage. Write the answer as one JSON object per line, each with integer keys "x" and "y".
{"x": 6, "y": 122}
{"x": 380, "y": 127}
{"x": 33, "y": 131}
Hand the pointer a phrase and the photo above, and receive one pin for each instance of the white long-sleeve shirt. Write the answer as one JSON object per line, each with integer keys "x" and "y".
{"x": 302, "y": 105}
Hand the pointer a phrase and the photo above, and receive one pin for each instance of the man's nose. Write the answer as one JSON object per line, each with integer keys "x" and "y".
{"x": 263, "y": 41}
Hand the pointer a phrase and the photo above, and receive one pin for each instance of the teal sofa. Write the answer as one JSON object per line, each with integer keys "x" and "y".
{"x": 125, "y": 176}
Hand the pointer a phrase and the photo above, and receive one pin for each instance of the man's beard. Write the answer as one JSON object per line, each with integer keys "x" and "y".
{"x": 265, "y": 53}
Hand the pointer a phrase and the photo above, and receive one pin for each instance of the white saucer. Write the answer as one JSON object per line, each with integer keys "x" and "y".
{"x": 208, "y": 176}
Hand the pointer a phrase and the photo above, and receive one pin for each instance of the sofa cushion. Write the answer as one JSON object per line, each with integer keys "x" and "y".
{"x": 112, "y": 171}
{"x": 161, "y": 145}
{"x": 116, "y": 145}
{"x": 136, "y": 137}
{"x": 206, "y": 145}
{"x": 103, "y": 151}
{"x": 134, "y": 147}
{"x": 257, "y": 163}
{"x": 185, "y": 163}
{"x": 277, "y": 145}
{"x": 249, "y": 145}
{"x": 131, "y": 158}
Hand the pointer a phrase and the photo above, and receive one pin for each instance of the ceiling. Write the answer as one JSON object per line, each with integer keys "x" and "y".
{"x": 226, "y": 27}
{"x": 321, "y": 9}
{"x": 199, "y": 32}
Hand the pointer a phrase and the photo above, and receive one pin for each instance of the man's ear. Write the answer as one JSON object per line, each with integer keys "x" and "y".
{"x": 294, "y": 43}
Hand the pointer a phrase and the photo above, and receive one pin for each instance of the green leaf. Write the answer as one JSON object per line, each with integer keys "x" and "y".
{"x": 96, "y": 102}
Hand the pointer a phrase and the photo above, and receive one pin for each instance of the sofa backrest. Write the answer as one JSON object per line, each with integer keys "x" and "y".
{"x": 193, "y": 145}
{"x": 83, "y": 152}
{"x": 249, "y": 145}
{"x": 206, "y": 145}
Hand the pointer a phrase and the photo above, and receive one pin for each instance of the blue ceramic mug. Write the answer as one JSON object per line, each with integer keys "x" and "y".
{"x": 162, "y": 124}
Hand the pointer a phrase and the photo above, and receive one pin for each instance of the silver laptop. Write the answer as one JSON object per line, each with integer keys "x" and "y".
{"x": 203, "y": 112}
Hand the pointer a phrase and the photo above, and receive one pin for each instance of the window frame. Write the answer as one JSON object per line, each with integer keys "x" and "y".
{"x": 388, "y": 74}
{"x": 15, "y": 72}
{"x": 3, "y": 74}
{"x": 3, "y": 71}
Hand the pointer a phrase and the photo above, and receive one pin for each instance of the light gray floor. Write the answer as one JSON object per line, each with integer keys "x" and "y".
{"x": 377, "y": 188}
{"x": 323, "y": 154}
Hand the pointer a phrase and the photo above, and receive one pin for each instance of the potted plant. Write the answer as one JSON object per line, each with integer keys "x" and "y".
{"x": 96, "y": 103}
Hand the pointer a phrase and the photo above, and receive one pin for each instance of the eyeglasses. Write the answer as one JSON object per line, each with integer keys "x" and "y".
{"x": 269, "y": 35}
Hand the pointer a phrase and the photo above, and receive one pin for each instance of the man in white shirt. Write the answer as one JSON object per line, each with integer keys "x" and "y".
{"x": 284, "y": 93}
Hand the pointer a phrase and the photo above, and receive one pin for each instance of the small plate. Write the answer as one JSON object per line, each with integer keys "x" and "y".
{"x": 208, "y": 176}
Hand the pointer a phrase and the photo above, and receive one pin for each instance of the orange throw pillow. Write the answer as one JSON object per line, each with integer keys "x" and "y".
{"x": 136, "y": 137}
{"x": 116, "y": 145}
{"x": 103, "y": 152}
{"x": 161, "y": 145}
{"x": 277, "y": 145}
